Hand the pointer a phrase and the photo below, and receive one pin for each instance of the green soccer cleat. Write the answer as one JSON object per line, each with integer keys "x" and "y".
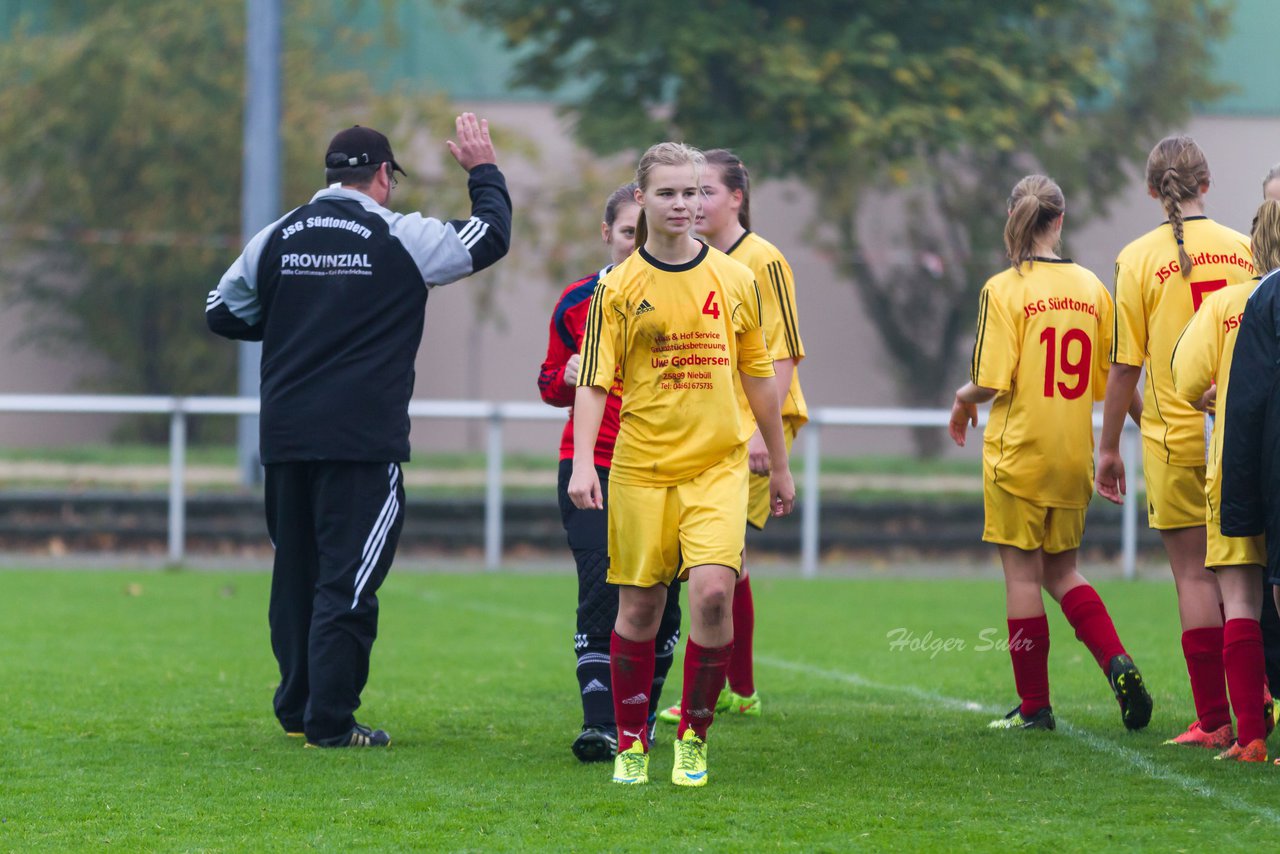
{"x": 736, "y": 704}
{"x": 670, "y": 715}
{"x": 1042, "y": 719}
{"x": 631, "y": 766}
{"x": 690, "y": 767}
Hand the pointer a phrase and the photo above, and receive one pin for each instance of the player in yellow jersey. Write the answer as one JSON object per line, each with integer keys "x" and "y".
{"x": 725, "y": 223}
{"x": 1041, "y": 352}
{"x": 681, "y": 321}
{"x": 1203, "y": 356}
{"x": 1161, "y": 279}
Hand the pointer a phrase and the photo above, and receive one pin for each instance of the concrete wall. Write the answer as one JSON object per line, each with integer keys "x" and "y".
{"x": 465, "y": 357}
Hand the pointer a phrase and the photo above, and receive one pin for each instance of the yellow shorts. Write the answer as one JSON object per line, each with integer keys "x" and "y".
{"x": 1175, "y": 494}
{"x": 758, "y": 509}
{"x": 1231, "y": 551}
{"x": 1014, "y": 521}
{"x": 657, "y": 532}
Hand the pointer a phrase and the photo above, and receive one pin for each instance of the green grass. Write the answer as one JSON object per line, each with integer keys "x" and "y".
{"x": 138, "y": 717}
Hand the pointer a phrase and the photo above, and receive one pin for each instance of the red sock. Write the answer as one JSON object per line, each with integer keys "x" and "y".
{"x": 1085, "y": 612}
{"x": 704, "y": 671}
{"x": 1203, "y": 651}
{"x": 741, "y": 674}
{"x": 1243, "y": 659}
{"x": 631, "y": 670}
{"x": 1029, "y": 650}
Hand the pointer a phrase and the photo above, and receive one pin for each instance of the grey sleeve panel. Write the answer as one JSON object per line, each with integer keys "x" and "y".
{"x": 238, "y": 288}
{"x": 436, "y": 249}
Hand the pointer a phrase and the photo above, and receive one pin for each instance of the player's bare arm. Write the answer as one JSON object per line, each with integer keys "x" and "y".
{"x": 584, "y": 483}
{"x": 757, "y": 451}
{"x": 1122, "y": 382}
{"x": 964, "y": 410}
{"x": 473, "y": 146}
{"x": 763, "y": 399}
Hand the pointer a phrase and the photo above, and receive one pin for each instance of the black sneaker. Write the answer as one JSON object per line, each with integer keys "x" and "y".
{"x": 595, "y": 744}
{"x": 1040, "y": 719}
{"x": 1131, "y": 693}
{"x": 359, "y": 736}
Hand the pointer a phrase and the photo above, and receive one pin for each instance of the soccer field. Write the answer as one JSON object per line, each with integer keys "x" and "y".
{"x": 138, "y": 717}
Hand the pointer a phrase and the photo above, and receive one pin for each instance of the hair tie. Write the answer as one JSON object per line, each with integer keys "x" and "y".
{"x": 1179, "y": 241}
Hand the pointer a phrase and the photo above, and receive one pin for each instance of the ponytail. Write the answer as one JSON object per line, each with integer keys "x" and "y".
{"x": 1034, "y": 204}
{"x": 642, "y": 229}
{"x": 1176, "y": 170}
{"x": 1265, "y": 237}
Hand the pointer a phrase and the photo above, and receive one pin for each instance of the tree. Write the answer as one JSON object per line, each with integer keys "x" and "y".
{"x": 936, "y": 105}
{"x": 120, "y": 203}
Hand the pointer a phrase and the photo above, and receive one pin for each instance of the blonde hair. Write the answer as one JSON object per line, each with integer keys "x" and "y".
{"x": 1264, "y": 239}
{"x": 664, "y": 154}
{"x": 1034, "y": 204}
{"x": 1176, "y": 170}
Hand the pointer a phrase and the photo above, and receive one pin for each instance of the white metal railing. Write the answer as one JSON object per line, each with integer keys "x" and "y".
{"x": 496, "y": 415}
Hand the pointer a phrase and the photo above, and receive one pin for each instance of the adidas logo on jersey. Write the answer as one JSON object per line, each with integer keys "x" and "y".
{"x": 593, "y": 686}
{"x": 643, "y": 307}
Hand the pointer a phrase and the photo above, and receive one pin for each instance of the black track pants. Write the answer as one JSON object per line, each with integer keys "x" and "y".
{"x": 335, "y": 527}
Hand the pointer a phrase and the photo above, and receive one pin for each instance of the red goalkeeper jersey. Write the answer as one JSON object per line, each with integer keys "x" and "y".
{"x": 568, "y": 323}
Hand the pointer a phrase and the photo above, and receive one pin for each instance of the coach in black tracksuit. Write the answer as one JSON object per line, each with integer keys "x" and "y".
{"x": 336, "y": 292}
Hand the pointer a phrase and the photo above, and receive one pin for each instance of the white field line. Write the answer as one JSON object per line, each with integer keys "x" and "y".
{"x": 1089, "y": 739}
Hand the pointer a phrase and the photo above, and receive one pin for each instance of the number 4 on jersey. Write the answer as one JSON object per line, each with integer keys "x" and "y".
{"x": 711, "y": 307}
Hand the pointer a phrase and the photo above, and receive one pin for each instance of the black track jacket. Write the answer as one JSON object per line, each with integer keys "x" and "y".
{"x": 336, "y": 291}
{"x": 1251, "y": 441}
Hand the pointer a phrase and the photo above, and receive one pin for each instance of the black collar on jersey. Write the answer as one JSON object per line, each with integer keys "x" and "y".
{"x": 1188, "y": 218}
{"x": 737, "y": 242}
{"x": 1040, "y": 260}
{"x": 674, "y": 268}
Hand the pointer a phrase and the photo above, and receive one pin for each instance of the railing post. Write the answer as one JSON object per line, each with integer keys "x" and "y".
{"x": 177, "y": 478}
{"x": 810, "y": 504}
{"x": 493, "y": 494}
{"x": 1129, "y": 446}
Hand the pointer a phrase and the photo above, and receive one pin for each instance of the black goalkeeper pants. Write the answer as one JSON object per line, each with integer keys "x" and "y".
{"x": 335, "y": 527}
{"x": 588, "y": 532}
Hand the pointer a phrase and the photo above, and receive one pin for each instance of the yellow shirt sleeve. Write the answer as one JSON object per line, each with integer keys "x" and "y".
{"x": 783, "y": 321}
{"x": 753, "y": 351}
{"x": 601, "y": 342}
{"x": 1129, "y": 333}
{"x": 996, "y": 348}
{"x": 1195, "y": 358}
{"x": 1102, "y": 350}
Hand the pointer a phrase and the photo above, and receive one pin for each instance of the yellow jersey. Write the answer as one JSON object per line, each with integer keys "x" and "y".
{"x": 678, "y": 335}
{"x": 1203, "y": 356}
{"x": 1153, "y": 304}
{"x": 781, "y": 322}
{"x": 1043, "y": 344}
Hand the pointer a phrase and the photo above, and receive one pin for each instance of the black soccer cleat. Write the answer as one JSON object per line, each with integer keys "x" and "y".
{"x": 1040, "y": 719}
{"x": 595, "y": 744}
{"x": 359, "y": 736}
{"x": 1131, "y": 693}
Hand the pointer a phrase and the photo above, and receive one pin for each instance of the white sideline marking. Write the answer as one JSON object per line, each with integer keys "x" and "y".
{"x": 1095, "y": 742}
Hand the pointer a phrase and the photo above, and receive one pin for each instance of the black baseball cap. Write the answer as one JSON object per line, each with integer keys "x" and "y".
{"x": 359, "y": 146}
